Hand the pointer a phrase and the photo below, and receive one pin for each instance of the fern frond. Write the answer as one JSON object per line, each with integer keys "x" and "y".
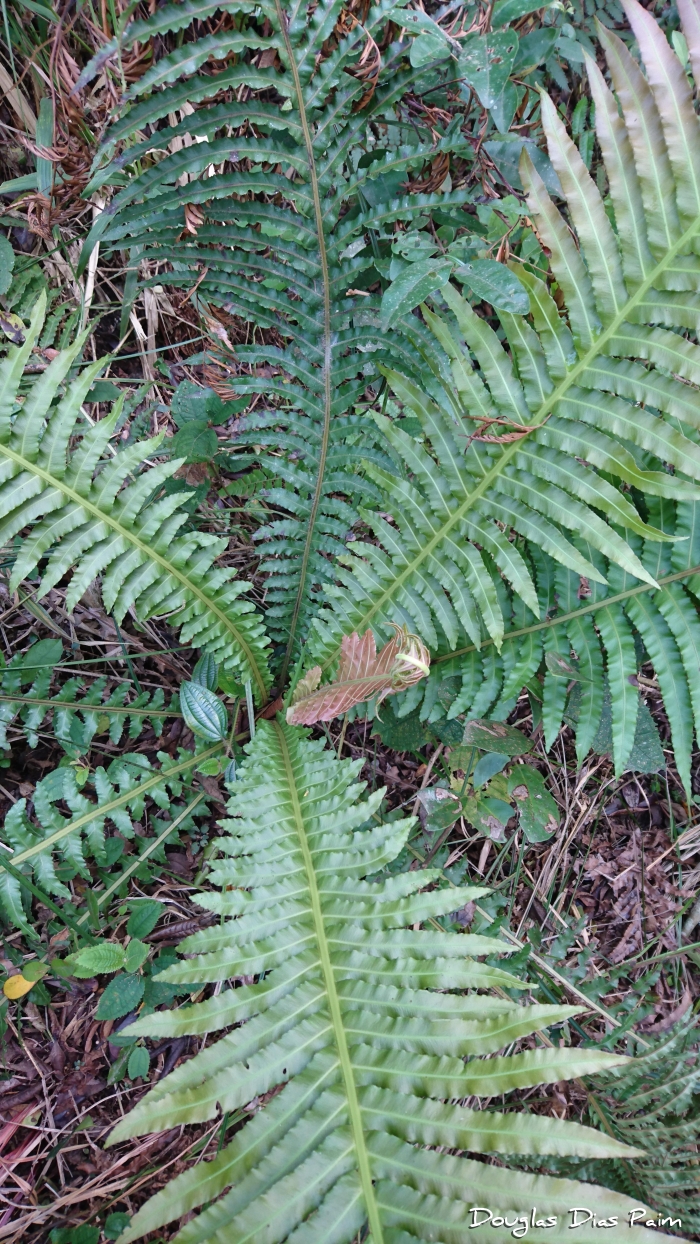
{"x": 94, "y": 516}
{"x": 354, "y": 1015}
{"x": 284, "y": 243}
{"x": 564, "y": 457}
{"x": 650, "y": 1102}
{"x": 78, "y": 713}
{"x": 120, "y": 793}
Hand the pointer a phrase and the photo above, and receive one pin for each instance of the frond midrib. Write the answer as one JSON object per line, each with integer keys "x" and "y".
{"x": 354, "y": 1112}
{"x": 327, "y": 344}
{"x": 104, "y": 809}
{"x": 79, "y": 706}
{"x": 110, "y": 521}
{"x": 537, "y": 419}
{"x": 561, "y": 618}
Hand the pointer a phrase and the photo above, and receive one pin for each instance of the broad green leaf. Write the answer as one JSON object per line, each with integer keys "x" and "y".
{"x": 145, "y": 914}
{"x": 7, "y": 263}
{"x": 506, "y": 11}
{"x": 196, "y": 442}
{"x": 139, "y": 1063}
{"x": 94, "y": 960}
{"x": 494, "y": 283}
{"x": 135, "y": 955}
{"x": 441, "y": 808}
{"x": 412, "y": 286}
{"x": 193, "y": 403}
{"x": 485, "y": 65}
{"x": 538, "y": 813}
{"x": 203, "y": 711}
{"x": 487, "y": 767}
{"x": 495, "y": 736}
{"x": 206, "y": 672}
{"x": 121, "y": 996}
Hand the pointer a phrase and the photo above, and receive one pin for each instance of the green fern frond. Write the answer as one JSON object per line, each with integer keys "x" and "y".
{"x": 77, "y": 713}
{"x": 354, "y": 1014}
{"x": 650, "y": 1102}
{"x": 284, "y": 243}
{"x": 120, "y": 793}
{"x": 563, "y": 457}
{"x": 94, "y": 516}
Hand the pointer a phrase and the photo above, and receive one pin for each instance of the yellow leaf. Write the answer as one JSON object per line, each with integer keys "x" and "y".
{"x": 17, "y": 986}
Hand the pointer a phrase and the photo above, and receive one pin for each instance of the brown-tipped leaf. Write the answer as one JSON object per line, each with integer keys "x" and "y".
{"x": 363, "y": 674}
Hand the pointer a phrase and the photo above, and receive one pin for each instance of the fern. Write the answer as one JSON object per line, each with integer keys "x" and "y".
{"x": 651, "y": 1103}
{"x": 83, "y": 519}
{"x": 353, "y": 1015}
{"x": 286, "y": 197}
{"x": 120, "y": 797}
{"x": 77, "y": 713}
{"x": 578, "y": 442}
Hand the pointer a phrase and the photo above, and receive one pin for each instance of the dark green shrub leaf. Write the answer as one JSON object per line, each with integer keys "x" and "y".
{"x": 122, "y": 995}
{"x": 145, "y": 914}
{"x": 203, "y": 712}
{"x": 114, "y": 849}
{"x": 136, "y": 954}
{"x": 44, "y": 655}
{"x": 139, "y": 1062}
{"x": 488, "y": 815}
{"x": 494, "y": 736}
{"x": 35, "y": 970}
{"x": 196, "y": 442}
{"x": 412, "y": 286}
{"x": 534, "y": 48}
{"x": 507, "y": 11}
{"x": 205, "y": 672}
{"x": 506, "y": 153}
{"x": 537, "y": 810}
{"x": 75, "y": 1235}
{"x": 103, "y": 391}
{"x": 7, "y": 263}
{"x": 485, "y": 65}
{"x": 487, "y": 766}
{"x": 496, "y": 284}
{"x": 426, "y": 48}
{"x": 193, "y": 403}
{"x": 115, "y": 1224}
{"x": 441, "y": 808}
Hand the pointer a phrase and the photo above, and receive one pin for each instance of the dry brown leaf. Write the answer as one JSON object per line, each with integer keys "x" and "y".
{"x": 362, "y": 675}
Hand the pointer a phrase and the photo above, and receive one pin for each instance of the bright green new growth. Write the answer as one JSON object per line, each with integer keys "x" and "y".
{"x": 598, "y": 467}
{"x": 99, "y": 515}
{"x": 355, "y": 1018}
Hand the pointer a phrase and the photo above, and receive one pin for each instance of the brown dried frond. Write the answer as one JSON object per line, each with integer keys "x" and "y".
{"x": 194, "y": 219}
{"x": 367, "y": 70}
{"x": 429, "y": 184}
